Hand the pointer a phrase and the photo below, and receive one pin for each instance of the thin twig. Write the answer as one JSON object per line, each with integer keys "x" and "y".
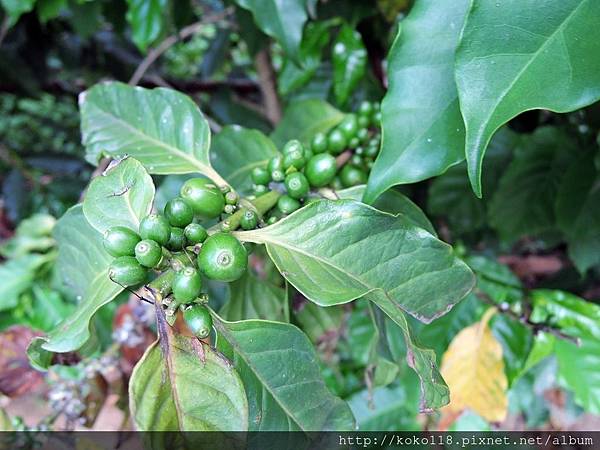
{"x": 268, "y": 86}
{"x": 504, "y": 308}
{"x": 185, "y": 32}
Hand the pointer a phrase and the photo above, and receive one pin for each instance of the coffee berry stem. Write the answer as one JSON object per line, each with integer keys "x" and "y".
{"x": 262, "y": 204}
{"x": 343, "y": 158}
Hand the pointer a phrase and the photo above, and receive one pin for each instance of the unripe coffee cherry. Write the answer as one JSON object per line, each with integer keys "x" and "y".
{"x": 187, "y": 285}
{"x": 120, "y": 241}
{"x": 148, "y": 253}
{"x": 206, "y": 199}
{"x": 223, "y": 258}
{"x": 127, "y": 271}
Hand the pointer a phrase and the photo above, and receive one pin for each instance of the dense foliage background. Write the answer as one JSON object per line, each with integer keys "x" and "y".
{"x": 526, "y": 218}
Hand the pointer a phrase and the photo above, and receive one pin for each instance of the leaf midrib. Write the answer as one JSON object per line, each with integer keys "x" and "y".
{"x": 180, "y": 153}
{"x": 233, "y": 341}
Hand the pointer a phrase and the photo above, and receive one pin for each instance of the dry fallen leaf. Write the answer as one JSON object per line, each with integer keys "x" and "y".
{"x": 474, "y": 371}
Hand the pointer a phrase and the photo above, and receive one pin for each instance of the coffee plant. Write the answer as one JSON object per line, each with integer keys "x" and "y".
{"x": 254, "y": 232}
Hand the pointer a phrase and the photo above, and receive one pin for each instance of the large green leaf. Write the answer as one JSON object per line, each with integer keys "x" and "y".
{"x": 318, "y": 322}
{"x": 305, "y": 118}
{"x": 83, "y": 266}
{"x": 423, "y": 131}
{"x": 393, "y": 202}
{"x": 349, "y": 57}
{"x": 161, "y": 128}
{"x": 368, "y": 252}
{"x": 577, "y": 211}
{"x": 281, "y": 20}
{"x": 252, "y": 298}
{"x": 578, "y": 370}
{"x": 147, "y": 20}
{"x": 235, "y": 151}
{"x": 182, "y": 384}
{"x": 524, "y": 200}
{"x": 121, "y": 196}
{"x": 517, "y": 55}
{"x": 282, "y": 378}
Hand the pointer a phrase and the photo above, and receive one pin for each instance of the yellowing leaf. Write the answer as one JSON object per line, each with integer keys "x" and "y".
{"x": 474, "y": 371}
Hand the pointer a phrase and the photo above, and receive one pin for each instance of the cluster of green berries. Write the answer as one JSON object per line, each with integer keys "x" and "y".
{"x": 299, "y": 169}
{"x": 161, "y": 238}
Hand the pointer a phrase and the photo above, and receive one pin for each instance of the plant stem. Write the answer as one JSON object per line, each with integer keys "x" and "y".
{"x": 268, "y": 86}
{"x": 262, "y": 204}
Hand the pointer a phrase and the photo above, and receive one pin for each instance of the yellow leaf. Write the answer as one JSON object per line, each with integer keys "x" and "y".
{"x": 474, "y": 371}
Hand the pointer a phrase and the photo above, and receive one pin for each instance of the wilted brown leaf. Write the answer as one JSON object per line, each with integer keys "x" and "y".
{"x": 16, "y": 374}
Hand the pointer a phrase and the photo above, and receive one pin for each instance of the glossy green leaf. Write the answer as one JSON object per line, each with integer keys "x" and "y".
{"x": 49, "y": 9}
{"x": 578, "y": 370}
{"x": 523, "y": 203}
{"x": 182, "y": 384}
{"x": 423, "y": 131}
{"x": 517, "y": 55}
{"x": 147, "y": 20}
{"x": 369, "y": 252}
{"x": 121, "y": 196}
{"x": 161, "y": 128}
{"x": 305, "y": 118}
{"x": 571, "y": 314}
{"x": 450, "y": 195}
{"x": 392, "y": 202}
{"x": 516, "y": 340}
{"x": 293, "y": 76}
{"x": 252, "y": 298}
{"x": 577, "y": 211}
{"x": 495, "y": 279}
{"x": 349, "y": 57}
{"x": 17, "y": 276}
{"x": 282, "y": 21}
{"x": 83, "y": 266}
{"x": 16, "y": 8}
{"x": 386, "y": 408}
{"x": 235, "y": 151}
{"x": 282, "y": 378}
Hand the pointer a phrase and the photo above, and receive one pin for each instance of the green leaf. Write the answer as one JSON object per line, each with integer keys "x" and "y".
{"x": 571, "y": 314}
{"x": 423, "y": 131}
{"x": 49, "y": 308}
{"x": 15, "y": 8}
{"x": 305, "y": 118}
{"x": 349, "y": 63}
{"x": 49, "y": 9}
{"x": 386, "y": 408}
{"x": 577, "y": 212}
{"x": 282, "y": 378}
{"x": 184, "y": 385}
{"x": 292, "y": 76}
{"x": 434, "y": 391}
{"x": 39, "y": 358}
{"x": 83, "y": 265}
{"x": 495, "y": 279}
{"x": 523, "y": 203}
{"x": 161, "y": 128}
{"x": 368, "y": 252}
{"x": 32, "y": 235}
{"x": 517, "y": 55}
{"x": 17, "y": 276}
{"x": 578, "y": 371}
{"x": 450, "y": 195}
{"x": 147, "y": 20}
{"x": 236, "y": 151}
{"x": 121, "y": 196}
{"x": 252, "y": 298}
{"x": 282, "y": 21}
{"x": 393, "y": 202}
{"x": 516, "y": 341}
{"x": 318, "y": 322}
